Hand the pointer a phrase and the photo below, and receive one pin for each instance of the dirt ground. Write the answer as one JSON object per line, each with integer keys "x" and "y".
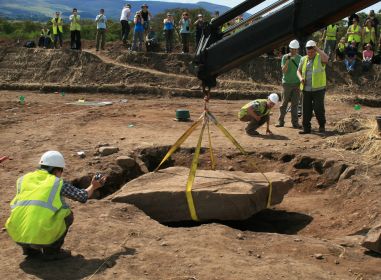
{"x": 315, "y": 233}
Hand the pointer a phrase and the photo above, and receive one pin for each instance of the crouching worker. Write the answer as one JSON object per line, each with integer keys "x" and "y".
{"x": 257, "y": 113}
{"x": 40, "y": 218}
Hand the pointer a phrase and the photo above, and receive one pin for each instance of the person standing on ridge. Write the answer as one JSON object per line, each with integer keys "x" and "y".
{"x": 330, "y": 39}
{"x": 75, "y": 30}
{"x": 101, "y": 21}
{"x": 57, "y": 23}
{"x": 185, "y": 26}
{"x": 124, "y": 21}
{"x": 147, "y": 16}
{"x": 169, "y": 27}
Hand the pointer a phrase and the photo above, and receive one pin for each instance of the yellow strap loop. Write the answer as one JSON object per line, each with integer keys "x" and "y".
{"x": 192, "y": 175}
{"x": 212, "y": 158}
{"x": 226, "y": 133}
{"x": 180, "y": 141}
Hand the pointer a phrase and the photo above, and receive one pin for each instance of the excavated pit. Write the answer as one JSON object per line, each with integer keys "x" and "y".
{"x": 308, "y": 174}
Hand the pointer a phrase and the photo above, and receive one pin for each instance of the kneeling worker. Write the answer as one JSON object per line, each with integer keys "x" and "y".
{"x": 257, "y": 113}
{"x": 40, "y": 218}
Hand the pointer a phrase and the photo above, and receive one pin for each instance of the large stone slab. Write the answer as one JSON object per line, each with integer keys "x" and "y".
{"x": 217, "y": 195}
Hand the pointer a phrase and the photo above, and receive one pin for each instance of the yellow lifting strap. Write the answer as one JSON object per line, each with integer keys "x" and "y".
{"x": 205, "y": 117}
{"x": 192, "y": 175}
{"x": 212, "y": 158}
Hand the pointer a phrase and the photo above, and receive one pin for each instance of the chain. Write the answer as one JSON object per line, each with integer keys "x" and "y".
{"x": 206, "y": 91}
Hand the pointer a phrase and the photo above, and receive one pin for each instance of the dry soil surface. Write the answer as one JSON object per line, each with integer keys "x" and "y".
{"x": 313, "y": 234}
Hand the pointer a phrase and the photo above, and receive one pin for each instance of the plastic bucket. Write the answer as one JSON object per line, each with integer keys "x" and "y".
{"x": 378, "y": 119}
{"x": 182, "y": 115}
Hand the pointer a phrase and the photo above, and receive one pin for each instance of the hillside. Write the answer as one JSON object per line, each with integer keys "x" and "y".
{"x": 23, "y": 9}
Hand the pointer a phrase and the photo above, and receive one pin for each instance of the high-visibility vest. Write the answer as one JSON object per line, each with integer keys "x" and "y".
{"x": 38, "y": 213}
{"x": 263, "y": 110}
{"x": 369, "y": 35}
{"x": 354, "y": 37}
{"x": 74, "y": 23}
{"x": 341, "y": 47}
{"x": 57, "y": 25}
{"x": 331, "y": 32}
{"x": 45, "y": 32}
{"x": 318, "y": 73}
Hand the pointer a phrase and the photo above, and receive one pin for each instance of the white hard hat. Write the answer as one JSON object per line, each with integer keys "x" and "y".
{"x": 311, "y": 43}
{"x": 294, "y": 44}
{"x": 53, "y": 159}
{"x": 274, "y": 98}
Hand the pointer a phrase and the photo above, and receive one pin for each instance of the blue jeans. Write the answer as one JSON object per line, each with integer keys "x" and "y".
{"x": 350, "y": 64}
{"x": 138, "y": 35}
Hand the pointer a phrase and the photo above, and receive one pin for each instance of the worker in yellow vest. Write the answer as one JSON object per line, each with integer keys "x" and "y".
{"x": 57, "y": 24}
{"x": 40, "y": 218}
{"x": 368, "y": 34}
{"x": 354, "y": 33}
{"x": 257, "y": 113}
{"x": 75, "y": 30}
{"x": 330, "y": 38}
{"x": 311, "y": 73}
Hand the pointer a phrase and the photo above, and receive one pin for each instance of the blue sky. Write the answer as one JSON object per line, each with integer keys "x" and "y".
{"x": 232, "y": 3}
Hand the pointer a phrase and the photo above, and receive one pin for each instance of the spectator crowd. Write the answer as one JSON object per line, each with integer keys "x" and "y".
{"x": 361, "y": 42}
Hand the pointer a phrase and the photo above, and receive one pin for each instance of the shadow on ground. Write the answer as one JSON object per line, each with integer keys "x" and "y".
{"x": 268, "y": 220}
{"x": 76, "y": 267}
{"x": 274, "y": 221}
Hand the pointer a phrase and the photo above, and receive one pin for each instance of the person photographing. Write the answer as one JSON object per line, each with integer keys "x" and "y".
{"x": 40, "y": 217}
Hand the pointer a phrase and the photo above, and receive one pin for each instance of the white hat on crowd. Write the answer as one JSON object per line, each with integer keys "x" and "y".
{"x": 294, "y": 44}
{"x": 53, "y": 159}
{"x": 311, "y": 43}
{"x": 274, "y": 98}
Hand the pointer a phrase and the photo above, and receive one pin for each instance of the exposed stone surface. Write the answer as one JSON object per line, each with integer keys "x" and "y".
{"x": 220, "y": 195}
{"x": 333, "y": 173}
{"x": 373, "y": 239}
{"x": 125, "y": 161}
{"x": 143, "y": 167}
{"x": 108, "y": 150}
{"x": 348, "y": 173}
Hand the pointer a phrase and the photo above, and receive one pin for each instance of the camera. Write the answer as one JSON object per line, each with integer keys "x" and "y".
{"x": 98, "y": 176}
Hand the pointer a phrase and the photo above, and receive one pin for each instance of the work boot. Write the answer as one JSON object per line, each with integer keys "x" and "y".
{"x": 252, "y": 133}
{"x": 305, "y": 131}
{"x": 31, "y": 253}
{"x": 279, "y": 125}
{"x": 297, "y": 126}
{"x": 52, "y": 254}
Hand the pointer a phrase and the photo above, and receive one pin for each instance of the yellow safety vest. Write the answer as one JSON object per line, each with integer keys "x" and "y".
{"x": 262, "y": 108}
{"x": 354, "y": 37}
{"x": 369, "y": 35}
{"x": 319, "y": 80}
{"x": 341, "y": 47}
{"x": 74, "y": 24}
{"x": 331, "y": 32}
{"x": 45, "y": 32}
{"x": 57, "y": 25}
{"x": 38, "y": 212}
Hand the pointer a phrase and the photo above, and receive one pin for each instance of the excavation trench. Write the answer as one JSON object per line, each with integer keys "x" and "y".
{"x": 308, "y": 175}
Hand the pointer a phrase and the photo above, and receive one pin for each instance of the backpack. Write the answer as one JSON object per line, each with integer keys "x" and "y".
{"x": 30, "y": 44}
